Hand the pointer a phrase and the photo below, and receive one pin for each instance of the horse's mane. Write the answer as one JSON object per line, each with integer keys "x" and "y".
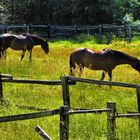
{"x": 34, "y": 36}
{"x": 119, "y": 54}
{"x": 92, "y": 50}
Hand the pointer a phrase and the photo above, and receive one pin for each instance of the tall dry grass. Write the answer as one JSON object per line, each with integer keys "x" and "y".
{"x": 21, "y": 98}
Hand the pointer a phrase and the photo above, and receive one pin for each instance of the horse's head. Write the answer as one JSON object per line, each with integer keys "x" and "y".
{"x": 136, "y": 65}
{"x": 45, "y": 46}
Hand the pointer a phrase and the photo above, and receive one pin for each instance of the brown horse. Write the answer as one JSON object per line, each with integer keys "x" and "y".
{"x": 22, "y": 42}
{"x": 105, "y": 60}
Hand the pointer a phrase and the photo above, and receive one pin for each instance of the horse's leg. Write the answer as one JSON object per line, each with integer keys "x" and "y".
{"x": 110, "y": 75}
{"x": 103, "y": 75}
{"x": 80, "y": 70}
{"x": 4, "y": 54}
{"x": 72, "y": 71}
{"x": 72, "y": 66}
{"x": 30, "y": 58}
{"x": 23, "y": 54}
{"x": 0, "y": 54}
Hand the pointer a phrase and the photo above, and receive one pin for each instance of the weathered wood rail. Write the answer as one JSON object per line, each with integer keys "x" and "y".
{"x": 29, "y": 115}
{"x": 55, "y": 31}
{"x": 65, "y": 110}
{"x": 111, "y": 110}
{"x": 42, "y": 133}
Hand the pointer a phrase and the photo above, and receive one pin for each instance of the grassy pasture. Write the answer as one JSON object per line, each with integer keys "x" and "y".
{"x": 21, "y": 98}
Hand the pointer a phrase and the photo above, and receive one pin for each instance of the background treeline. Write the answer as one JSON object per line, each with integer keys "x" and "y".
{"x": 68, "y": 12}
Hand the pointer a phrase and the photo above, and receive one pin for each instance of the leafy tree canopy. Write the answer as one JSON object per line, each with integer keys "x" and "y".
{"x": 68, "y": 12}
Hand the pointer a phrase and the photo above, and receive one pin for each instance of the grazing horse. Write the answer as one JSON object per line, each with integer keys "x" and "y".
{"x": 23, "y": 42}
{"x": 106, "y": 60}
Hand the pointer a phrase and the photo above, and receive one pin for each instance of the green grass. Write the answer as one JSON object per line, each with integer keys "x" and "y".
{"x": 20, "y": 98}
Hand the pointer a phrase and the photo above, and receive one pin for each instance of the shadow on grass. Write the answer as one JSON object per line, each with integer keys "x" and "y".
{"x": 31, "y": 108}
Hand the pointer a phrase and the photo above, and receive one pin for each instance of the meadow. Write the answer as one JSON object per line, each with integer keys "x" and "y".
{"x": 25, "y": 98}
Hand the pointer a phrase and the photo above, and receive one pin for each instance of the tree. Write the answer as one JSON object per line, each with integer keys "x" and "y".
{"x": 69, "y": 12}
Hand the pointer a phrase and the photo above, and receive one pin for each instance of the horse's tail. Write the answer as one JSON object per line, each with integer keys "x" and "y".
{"x": 72, "y": 65}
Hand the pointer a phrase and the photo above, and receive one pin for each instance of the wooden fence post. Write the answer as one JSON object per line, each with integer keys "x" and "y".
{"x": 111, "y": 121}
{"x": 49, "y": 30}
{"x": 5, "y": 30}
{"x": 87, "y": 30}
{"x": 108, "y": 38}
{"x": 64, "y": 119}
{"x": 64, "y": 123}
{"x": 76, "y": 29}
{"x": 100, "y": 34}
{"x": 1, "y": 88}
{"x": 65, "y": 90}
{"x": 138, "y": 102}
{"x": 29, "y": 29}
{"x": 138, "y": 98}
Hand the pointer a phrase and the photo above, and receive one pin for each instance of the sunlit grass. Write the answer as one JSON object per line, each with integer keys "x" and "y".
{"x": 26, "y": 98}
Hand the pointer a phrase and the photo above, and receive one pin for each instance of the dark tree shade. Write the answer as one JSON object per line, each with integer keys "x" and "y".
{"x": 68, "y": 12}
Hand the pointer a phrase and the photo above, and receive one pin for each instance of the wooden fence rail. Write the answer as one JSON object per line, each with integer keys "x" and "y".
{"x": 109, "y": 83}
{"x": 29, "y": 115}
{"x": 111, "y": 107}
{"x": 65, "y": 110}
{"x": 129, "y": 115}
{"x": 42, "y": 82}
{"x": 42, "y": 133}
{"x": 55, "y": 31}
{"x": 88, "y": 111}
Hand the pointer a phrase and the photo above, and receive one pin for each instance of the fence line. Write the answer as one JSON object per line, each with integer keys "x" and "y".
{"x": 129, "y": 115}
{"x": 29, "y": 116}
{"x": 55, "y": 31}
{"x": 31, "y": 81}
{"x": 65, "y": 110}
{"x": 88, "y": 111}
{"x": 111, "y": 107}
{"x": 109, "y": 83}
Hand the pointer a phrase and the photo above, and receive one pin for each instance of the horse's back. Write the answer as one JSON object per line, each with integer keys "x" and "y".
{"x": 21, "y": 42}
{"x": 78, "y": 55}
{"x": 84, "y": 53}
{"x": 82, "y": 56}
{"x": 95, "y": 60}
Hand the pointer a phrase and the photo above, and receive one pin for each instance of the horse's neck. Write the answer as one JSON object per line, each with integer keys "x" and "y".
{"x": 125, "y": 60}
{"x": 120, "y": 57}
{"x": 37, "y": 41}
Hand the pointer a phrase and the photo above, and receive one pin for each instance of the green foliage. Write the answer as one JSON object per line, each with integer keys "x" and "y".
{"x": 68, "y": 12}
{"x": 83, "y": 38}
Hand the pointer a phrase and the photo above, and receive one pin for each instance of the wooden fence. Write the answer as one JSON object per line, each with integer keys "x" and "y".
{"x": 55, "y": 31}
{"x": 65, "y": 110}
